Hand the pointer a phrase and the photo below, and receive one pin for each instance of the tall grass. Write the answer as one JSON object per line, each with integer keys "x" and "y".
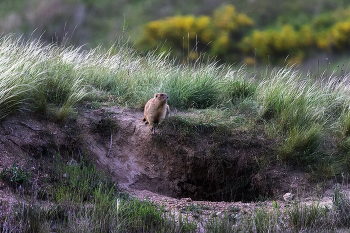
{"x": 55, "y": 78}
{"x": 304, "y": 112}
{"x": 17, "y": 75}
{"x": 301, "y": 111}
{"x": 79, "y": 198}
{"x": 294, "y": 100}
{"x": 32, "y": 76}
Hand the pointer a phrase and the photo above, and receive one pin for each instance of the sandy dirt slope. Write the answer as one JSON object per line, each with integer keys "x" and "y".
{"x": 161, "y": 168}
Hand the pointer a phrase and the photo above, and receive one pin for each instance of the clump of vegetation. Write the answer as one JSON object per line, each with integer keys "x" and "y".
{"x": 291, "y": 43}
{"x": 85, "y": 199}
{"x": 77, "y": 182}
{"x": 300, "y": 148}
{"x": 35, "y": 77}
{"x": 230, "y": 36}
{"x": 191, "y": 35}
{"x": 15, "y": 175}
{"x": 276, "y": 45}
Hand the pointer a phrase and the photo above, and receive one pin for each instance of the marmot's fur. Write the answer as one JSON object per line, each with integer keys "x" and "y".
{"x": 156, "y": 109}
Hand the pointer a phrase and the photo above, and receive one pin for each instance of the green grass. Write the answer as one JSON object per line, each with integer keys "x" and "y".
{"x": 15, "y": 175}
{"x": 57, "y": 78}
{"x": 36, "y": 77}
{"x": 77, "y": 182}
{"x": 301, "y": 111}
{"x": 300, "y": 148}
{"x": 306, "y": 116}
{"x": 79, "y": 198}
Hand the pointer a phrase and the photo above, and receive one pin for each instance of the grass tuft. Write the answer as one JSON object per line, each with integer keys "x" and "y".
{"x": 301, "y": 145}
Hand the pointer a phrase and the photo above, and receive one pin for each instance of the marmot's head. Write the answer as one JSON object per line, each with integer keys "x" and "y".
{"x": 161, "y": 96}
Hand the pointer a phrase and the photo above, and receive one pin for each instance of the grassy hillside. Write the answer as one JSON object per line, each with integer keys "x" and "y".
{"x": 306, "y": 114}
{"x": 52, "y": 80}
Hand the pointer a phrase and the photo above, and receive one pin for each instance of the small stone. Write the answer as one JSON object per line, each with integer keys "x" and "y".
{"x": 287, "y": 197}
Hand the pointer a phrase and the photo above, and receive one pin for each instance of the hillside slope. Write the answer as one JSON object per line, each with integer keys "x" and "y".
{"x": 203, "y": 166}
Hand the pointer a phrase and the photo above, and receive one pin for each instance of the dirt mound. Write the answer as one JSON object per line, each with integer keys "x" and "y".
{"x": 210, "y": 164}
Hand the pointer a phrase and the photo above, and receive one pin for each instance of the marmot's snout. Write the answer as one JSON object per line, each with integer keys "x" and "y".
{"x": 162, "y": 96}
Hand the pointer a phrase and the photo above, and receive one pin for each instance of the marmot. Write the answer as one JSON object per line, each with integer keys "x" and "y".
{"x": 156, "y": 109}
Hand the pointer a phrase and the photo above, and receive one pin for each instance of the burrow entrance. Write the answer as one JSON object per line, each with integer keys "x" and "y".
{"x": 208, "y": 166}
{"x": 181, "y": 159}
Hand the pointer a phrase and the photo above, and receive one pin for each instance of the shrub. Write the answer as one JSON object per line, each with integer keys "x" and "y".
{"x": 276, "y": 45}
{"x": 188, "y": 35}
{"x": 339, "y": 36}
{"x": 15, "y": 175}
{"x": 178, "y": 31}
{"x": 227, "y": 35}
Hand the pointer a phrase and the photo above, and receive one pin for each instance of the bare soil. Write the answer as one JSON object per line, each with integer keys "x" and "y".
{"x": 171, "y": 167}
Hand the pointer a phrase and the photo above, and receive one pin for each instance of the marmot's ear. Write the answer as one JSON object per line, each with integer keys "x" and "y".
{"x": 156, "y": 95}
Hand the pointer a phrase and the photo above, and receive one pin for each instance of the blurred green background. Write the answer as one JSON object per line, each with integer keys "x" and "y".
{"x": 249, "y": 31}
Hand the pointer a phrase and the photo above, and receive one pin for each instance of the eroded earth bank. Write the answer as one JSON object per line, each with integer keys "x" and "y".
{"x": 210, "y": 163}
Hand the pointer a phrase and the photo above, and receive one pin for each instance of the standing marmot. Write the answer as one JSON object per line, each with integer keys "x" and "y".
{"x": 156, "y": 109}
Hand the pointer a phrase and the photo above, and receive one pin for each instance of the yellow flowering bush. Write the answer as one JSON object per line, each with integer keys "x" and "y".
{"x": 276, "y": 45}
{"x": 176, "y": 31}
{"x": 230, "y": 29}
{"x": 327, "y": 20}
{"x": 228, "y": 35}
{"x": 217, "y": 35}
{"x": 335, "y": 38}
{"x": 226, "y": 18}
{"x": 339, "y": 36}
{"x": 322, "y": 41}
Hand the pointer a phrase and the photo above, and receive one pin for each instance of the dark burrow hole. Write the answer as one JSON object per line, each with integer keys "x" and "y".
{"x": 211, "y": 166}
{"x": 219, "y": 179}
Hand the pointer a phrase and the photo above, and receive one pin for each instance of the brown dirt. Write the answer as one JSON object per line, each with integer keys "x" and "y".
{"x": 164, "y": 167}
